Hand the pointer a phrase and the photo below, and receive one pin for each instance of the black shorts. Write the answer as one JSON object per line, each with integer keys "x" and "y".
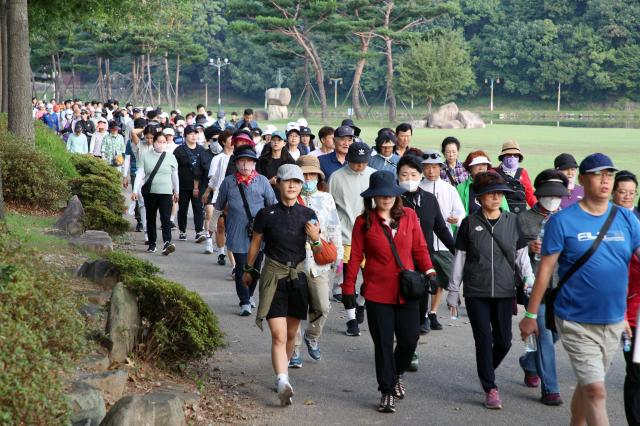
{"x": 290, "y": 299}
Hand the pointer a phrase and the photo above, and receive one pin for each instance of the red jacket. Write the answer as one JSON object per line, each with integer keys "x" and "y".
{"x": 633, "y": 291}
{"x": 381, "y": 272}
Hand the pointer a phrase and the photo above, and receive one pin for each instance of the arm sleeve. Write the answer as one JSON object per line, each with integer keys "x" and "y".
{"x": 523, "y": 262}
{"x": 528, "y": 188}
{"x": 139, "y": 180}
{"x": 259, "y": 222}
{"x": 357, "y": 253}
{"x": 456, "y": 273}
{"x": 270, "y": 195}
{"x": 175, "y": 181}
{"x": 553, "y": 241}
{"x": 456, "y": 205}
{"x": 334, "y": 230}
{"x": 441, "y": 231}
{"x": 461, "y": 239}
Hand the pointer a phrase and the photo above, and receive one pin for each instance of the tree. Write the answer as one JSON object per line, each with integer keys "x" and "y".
{"x": 436, "y": 69}
{"x": 2, "y": 212}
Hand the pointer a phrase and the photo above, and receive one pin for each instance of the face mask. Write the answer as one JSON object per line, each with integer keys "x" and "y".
{"x": 200, "y": 139}
{"x": 310, "y": 185}
{"x": 410, "y": 185}
{"x": 158, "y": 148}
{"x": 550, "y": 203}
{"x": 180, "y": 129}
{"x": 247, "y": 168}
{"x": 511, "y": 162}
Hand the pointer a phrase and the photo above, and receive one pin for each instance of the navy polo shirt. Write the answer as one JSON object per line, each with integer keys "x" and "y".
{"x": 329, "y": 163}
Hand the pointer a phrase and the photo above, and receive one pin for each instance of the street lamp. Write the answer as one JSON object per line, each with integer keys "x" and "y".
{"x": 490, "y": 82}
{"x": 335, "y": 82}
{"x": 218, "y": 63}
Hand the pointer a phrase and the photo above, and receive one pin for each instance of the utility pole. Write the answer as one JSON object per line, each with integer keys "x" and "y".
{"x": 335, "y": 82}
{"x": 558, "y": 97}
{"x": 490, "y": 81}
{"x": 219, "y": 64}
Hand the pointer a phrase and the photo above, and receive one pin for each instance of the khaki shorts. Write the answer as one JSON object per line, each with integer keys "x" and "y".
{"x": 591, "y": 347}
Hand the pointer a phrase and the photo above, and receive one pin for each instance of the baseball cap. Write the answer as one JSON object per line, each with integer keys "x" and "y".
{"x": 344, "y": 131}
{"x": 168, "y": 131}
{"x": 221, "y": 114}
{"x": 289, "y": 172}
{"x": 280, "y": 134}
{"x": 595, "y": 163}
{"x": 359, "y": 152}
{"x": 293, "y": 126}
{"x": 190, "y": 129}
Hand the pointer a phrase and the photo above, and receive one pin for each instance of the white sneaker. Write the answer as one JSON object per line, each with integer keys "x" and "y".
{"x": 252, "y": 301}
{"x": 245, "y": 310}
{"x": 285, "y": 392}
{"x": 208, "y": 248}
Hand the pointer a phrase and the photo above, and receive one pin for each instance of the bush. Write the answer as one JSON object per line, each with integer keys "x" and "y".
{"x": 41, "y": 333}
{"x": 94, "y": 189}
{"x": 88, "y": 165}
{"x": 180, "y": 324}
{"x": 98, "y": 216}
{"x": 30, "y": 176}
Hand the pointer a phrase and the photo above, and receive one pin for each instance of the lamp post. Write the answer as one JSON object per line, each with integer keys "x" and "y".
{"x": 335, "y": 82}
{"x": 219, "y": 64}
{"x": 490, "y": 82}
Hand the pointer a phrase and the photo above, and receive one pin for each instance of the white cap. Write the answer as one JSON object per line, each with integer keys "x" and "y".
{"x": 302, "y": 122}
{"x": 293, "y": 126}
{"x": 480, "y": 160}
{"x": 147, "y": 109}
{"x": 269, "y": 129}
{"x": 168, "y": 131}
{"x": 178, "y": 112}
{"x": 103, "y": 120}
{"x": 165, "y": 115}
{"x": 181, "y": 123}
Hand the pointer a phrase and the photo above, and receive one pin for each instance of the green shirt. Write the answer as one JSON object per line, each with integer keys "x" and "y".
{"x": 162, "y": 181}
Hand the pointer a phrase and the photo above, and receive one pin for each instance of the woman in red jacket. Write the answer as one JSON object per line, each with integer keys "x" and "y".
{"x": 388, "y": 313}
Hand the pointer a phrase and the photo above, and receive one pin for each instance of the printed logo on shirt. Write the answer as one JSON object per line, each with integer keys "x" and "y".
{"x": 610, "y": 237}
{"x": 479, "y": 228}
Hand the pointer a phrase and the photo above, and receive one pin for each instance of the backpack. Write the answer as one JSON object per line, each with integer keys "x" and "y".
{"x": 517, "y": 200}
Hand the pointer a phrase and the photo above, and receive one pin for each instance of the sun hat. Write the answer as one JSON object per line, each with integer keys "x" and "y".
{"x": 280, "y": 134}
{"x": 181, "y": 123}
{"x": 292, "y": 126}
{"x": 307, "y": 131}
{"x": 359, "y": 152}
{"x": 431, "y": 156}
{"x": 169, "y": 131}
{"x": 551, "y": 183}
{"x": 343, "y": 131}
{"x": 499, "y": 185}
{"x": 479, "y": 160}
{"x": 310, "y": 164}
{"x": 382, "y": 183}
{"x": 269, "y": 129}
{"x": 244, "y": 151}
{"x": 302, "y": 122}
{"x": 349, "y": 122}
{"x": 565, "y": 161}
{"x": 289, "y": 172}
{"x": 511, "y": 147}
{"x": 596, "y": 162}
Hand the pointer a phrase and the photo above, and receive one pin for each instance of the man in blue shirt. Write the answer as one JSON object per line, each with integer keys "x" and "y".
{"x": 590, "y": 306}
{"x": 342, "y": 139}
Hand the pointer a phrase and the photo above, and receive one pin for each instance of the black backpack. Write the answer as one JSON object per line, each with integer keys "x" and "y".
{"x": 517, "y": 200}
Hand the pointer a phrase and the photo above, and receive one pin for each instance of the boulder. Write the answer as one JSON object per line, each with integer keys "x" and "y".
{"x": 98, "y": 241}
{"x": 100, "y": 272}
{"x": 419, "y": 124}
{"x": 71, "y": 219}
{"x": 453, "y": 124}
{"x": 470, "y": 120}
{"x": 280, "y": 97}
{"x": 110, "y": 383}
{"x": 99, "y": 297}
{"x": 445, "y": 113}
{"x": 153, "y": 409}
{"x": 91, "y": 311}
{"x": 260, "y": 115}
{"x": 277, "y": 112}
{"x": 123, "y": 323}
{"x": 87, "y": 405}
{"x": 97, "y": 362}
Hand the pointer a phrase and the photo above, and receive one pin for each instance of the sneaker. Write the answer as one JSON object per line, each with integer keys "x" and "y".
{"x": 252, "y": 302}
{"x": 492, "y": 400}
{"x": 313, "y": 348}
{"x": 387, "y": 403}
{"x": 338, "y": 297}
{"x": 232, "y": 275}
{"x": 551, "y": 399}
{"x": 182, "y": 236}
{"x": 200, "y": 237}
{"x": 434, "y": 323}
{"x": 221, "y": 260}
{"x": 208, "y": 247}
{"x": 531, "y": 380}
{"x": 352, "y": 328}
{"x": 424, "y": 327}
{"x": 146, "y": 239}
{"x": 245, "y": 310}
{"x": 360, "y": 314}
{"x": 295, "y": 361}
{"x": 168, "y": 248}
{"x": 151, "y": 248}
{"x": 139, "y": 227}
{"x": 414, "y": 364}
{"x": 399, "y": 389}
{"x": 173, "y": 225}
{"x": 285, "y": 393}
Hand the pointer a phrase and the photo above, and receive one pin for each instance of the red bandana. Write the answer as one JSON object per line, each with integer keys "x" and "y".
{"x": 246, "y": 179}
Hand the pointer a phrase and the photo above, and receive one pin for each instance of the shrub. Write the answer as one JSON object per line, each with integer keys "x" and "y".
{"x": 98, "y": 216}
{"x": 41, "y": 332}
{"x": 88, "y": 165}
{"x": 180, "y": 324}
{"x": 51, "y": 144}
{"x": 95, "y": 189}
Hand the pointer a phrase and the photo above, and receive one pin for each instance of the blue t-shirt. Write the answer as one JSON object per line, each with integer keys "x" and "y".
{"x": 596, "y": 293}
{"x": 329, "y": 163}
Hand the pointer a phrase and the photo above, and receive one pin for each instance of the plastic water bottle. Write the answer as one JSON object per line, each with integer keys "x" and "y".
{"x": 454, "y": 314}
{"x": 537, "y": 256}
{"x": 626, "y": 342}
{"x": 531, "y": 343}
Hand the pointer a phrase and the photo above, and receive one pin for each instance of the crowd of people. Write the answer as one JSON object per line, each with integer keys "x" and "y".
{"x": 387, "y": 231}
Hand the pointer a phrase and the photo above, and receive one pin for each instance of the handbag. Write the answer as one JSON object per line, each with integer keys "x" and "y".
{"x": 549, "y": 314}
{"x": 329, "y": 252}
{"x": 247, "y": 211}
{"x": 413, "y": 285}
{"x": 117, "y": 160}
{"x": 146, "y": 188}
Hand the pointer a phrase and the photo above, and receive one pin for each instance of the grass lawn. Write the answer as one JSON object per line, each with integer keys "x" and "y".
{"x": 32, "y": 231}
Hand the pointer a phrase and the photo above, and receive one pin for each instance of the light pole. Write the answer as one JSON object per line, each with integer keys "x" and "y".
{"x": 335, "y": 82}
{"x": 218, "y": 63}
{"x": 490, "y": 82}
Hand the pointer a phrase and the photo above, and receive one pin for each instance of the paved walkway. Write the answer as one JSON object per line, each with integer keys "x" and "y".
{"x": 342, "y": 389}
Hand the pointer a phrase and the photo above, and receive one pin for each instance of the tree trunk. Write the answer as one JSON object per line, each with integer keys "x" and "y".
{"x": 134, "y": 79}
{"x": 307, "y": 86}
{"x": 60, "y": 81}
{"x": 150, "y": 82}
{"x": 2, "y": 213}
{"x": 391, "y": 98}
{"x": 73, "y": 77}
{"x": 167, "y": 78}
{"x": 20, "y": 113}
{"x": 429, "y": 102}
{"x": 107, "y": 69}
{"x": 322, "y": 93}
{"x": 175, "y": 102}
{"x": 3, "y": 63}
{"x": 357, "y": 76}
{"x": 54, "y": 78}
{"x": 100, "y": 80}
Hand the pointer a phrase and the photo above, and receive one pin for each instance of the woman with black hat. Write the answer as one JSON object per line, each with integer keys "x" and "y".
{"x": 489, "y": 253}
{"x": 376, "y": 234}
{"x": 386, "y": 158}
{"x": 568, "y": 165}
{"x": 306, "y": 139}
{"x": 540, "y": 366}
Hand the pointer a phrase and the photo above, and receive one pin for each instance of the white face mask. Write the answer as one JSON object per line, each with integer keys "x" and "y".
{"x": 158, "y": 148}
{"x": 247, "y": 168}
{"x": 410, "y": 185}
{"x": 200, "y": 139}
{"x": 550, "y": 203}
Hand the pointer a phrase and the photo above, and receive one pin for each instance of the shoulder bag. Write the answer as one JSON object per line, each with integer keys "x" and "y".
{"x": 549, "y": 314}
{"x": 146, "y": 188}
{"x": 247, "y": 211}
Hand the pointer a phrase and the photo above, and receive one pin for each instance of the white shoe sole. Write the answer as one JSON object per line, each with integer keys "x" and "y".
{"x": 286, "y": 395}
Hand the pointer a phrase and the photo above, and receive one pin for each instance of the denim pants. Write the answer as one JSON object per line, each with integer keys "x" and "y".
{"x": 244, "y": 293}
{"x": 543, "y": 361}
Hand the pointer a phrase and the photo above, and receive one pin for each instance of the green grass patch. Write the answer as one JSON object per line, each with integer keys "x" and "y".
{"x": 54, "y": 146}
{"x": 33, "y": 232}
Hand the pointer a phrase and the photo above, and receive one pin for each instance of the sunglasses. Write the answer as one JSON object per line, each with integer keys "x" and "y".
{"x": 431, "y": 156}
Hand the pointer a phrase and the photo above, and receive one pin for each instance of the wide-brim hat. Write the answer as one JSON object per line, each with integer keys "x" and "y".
{"x": 310, "y": 164}
{"x": 307, "y": 131}
{"x": 431, "y": 156}
{"x": 511, "y": 147}
{"x": 245, "y": 151}
{"x": 383, "y": 184}
{"x": 496, "y": 187}
{"x": 349, "y": 122}
{"x": 243, "y": 137}
{"x": 551, "y": 183}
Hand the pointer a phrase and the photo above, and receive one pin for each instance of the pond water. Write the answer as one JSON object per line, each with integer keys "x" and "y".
{"x": 614, "y": 122}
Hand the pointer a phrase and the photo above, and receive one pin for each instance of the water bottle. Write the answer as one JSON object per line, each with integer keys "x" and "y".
{"x": 531, "y": 343}
{"x": 537, "y": 256}
{"x": 454, "y": 314}
{"x": 626, "y": 342}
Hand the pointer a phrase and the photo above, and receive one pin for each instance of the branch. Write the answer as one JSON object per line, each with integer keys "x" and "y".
{"x": 280, "y": 8}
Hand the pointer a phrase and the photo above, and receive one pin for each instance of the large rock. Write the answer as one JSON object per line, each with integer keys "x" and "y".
{"x": 100, "y": 272}
{"x": 98, "y": 241}
{"x": 123, "y": 322}
{"x": 110, "y": 383}
{"x": 153, "y": 409}
{"x": 261, "y": 115}
{"x": 96, "y": 362}
{"x": 71, "y": 219}
{"x": 453, "y": 124}
{"x": 470, "y": 120}
{"x": 87, "y": 405}
{"x": 442, "y": 115}
{"x": 277, "y": 112}
{"x": 419, "y": 124}
{"x": 281, "y": 96}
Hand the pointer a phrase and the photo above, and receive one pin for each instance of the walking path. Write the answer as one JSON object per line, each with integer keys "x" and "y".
{"x": 342, "y": 389}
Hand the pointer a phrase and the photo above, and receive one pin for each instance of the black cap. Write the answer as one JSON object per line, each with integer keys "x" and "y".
{"x": 359, "y": 152}
{"x": 565, "y": 161}
{"x": 343, "y": 131}
{"x": 245, "y": 151}
{"x": 551, "y": 183}
{"x": 349, "y": 122}
{"x": 190, "y": 129}
{"x": 307, "y": 131}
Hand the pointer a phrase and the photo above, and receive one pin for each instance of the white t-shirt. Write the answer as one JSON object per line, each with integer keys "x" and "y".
{"x": 217, "y": 171}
